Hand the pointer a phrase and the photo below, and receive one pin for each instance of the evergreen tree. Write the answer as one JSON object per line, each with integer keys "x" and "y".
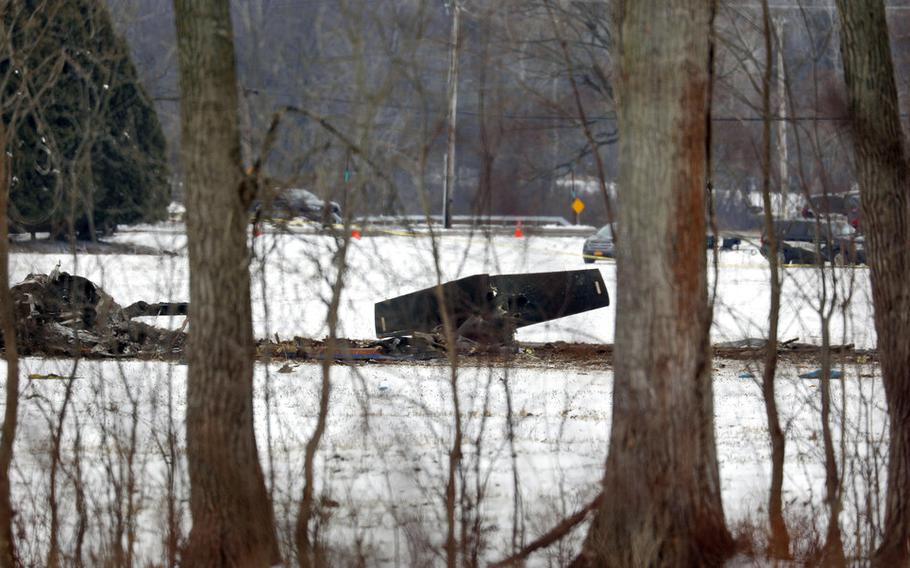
{"x": 88, "y": 152}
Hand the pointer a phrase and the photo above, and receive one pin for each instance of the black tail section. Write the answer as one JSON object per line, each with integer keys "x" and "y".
{"x": 507, "y": 300}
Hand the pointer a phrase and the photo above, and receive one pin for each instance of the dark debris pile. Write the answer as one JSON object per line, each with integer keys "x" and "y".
{"x": 59, "y": 314}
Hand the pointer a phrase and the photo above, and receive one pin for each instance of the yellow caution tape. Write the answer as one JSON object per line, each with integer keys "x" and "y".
{"x": 414, "y": 234}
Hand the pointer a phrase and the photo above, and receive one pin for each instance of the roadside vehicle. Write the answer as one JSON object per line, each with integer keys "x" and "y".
{"x": 810, "y": 241}
{"x": 599, "y": 245}
{"x": 839, "y": 206}
{"x": 727, "y": 242}
{"x": 297, "y": 202}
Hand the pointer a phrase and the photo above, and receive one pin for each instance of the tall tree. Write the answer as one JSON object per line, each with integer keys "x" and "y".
{"x": 21, "y": 86}
{"x": 8, "y": 555}
{"x": 89, "y": 150}
{"x": 779, "y": 541}
{"x": 233, "y": 521}
{"x": 885, "y": 195}
{"x": 662, "y": 504}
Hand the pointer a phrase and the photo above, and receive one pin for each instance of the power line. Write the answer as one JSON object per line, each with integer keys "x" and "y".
{"x": 733, "y": 4}
{"x": 540, "y": 117}
{"x": 803, "y": 8}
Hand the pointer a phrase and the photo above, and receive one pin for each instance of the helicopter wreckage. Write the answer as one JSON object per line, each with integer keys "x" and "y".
{"x": 60, "y": 314}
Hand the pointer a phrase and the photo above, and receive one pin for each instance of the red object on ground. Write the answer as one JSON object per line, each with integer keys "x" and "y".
{"x": 257, "y": 230}
{"x": 355, "y": 233}
{"x": 518, "y": 232}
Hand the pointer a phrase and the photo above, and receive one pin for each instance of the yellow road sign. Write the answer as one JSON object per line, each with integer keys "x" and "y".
{"x": 578, "y": 206}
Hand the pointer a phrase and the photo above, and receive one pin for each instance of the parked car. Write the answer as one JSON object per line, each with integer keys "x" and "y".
{"x": 808, "y": 241}
{"x": 297, "y": 202}
{"x": 727, "y": 242}
{"x": 599, "y": 245}
{"x": 839, "y": 206}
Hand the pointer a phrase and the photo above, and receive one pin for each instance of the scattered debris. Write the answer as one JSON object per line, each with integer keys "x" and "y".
{"x": 328, "y": 503}
{"x": 141, "y": 308}
{"x": 754, "y": 343}
{"x": 59, "y": 314}
{"x": 747, "y": 343}
{"x": 64, "y": 315}
{"x": 752, "y": 347}
{"x": 388, "y": 349}
{"x": 420, "y": 349}
{"x": 58, "y": 247}
{"x": 49, "y": 377}
{"x": 818, "y": 373}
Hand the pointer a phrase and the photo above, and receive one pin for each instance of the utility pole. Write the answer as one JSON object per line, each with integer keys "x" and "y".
{"x": 448, "y": 190}
{"x": 782, "y": 122}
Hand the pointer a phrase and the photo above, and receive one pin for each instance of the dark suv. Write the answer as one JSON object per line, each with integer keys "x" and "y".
{"x": 839, "y": 206}
{"x": 601, "y": 245}
{"x": 807, "y": 241}
{"x": 296, "y": 202}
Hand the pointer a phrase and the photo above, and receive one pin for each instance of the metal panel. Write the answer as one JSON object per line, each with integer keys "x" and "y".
{"x": 544, "y": 296}
{"x": 419, "y": 311}
{"x": 515, "y": 300}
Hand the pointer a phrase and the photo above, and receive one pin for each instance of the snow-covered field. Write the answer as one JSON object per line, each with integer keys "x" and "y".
{"x": 383, "y": 459}
{"x": 292, "y": 286}
{"x": 382, "y": 464}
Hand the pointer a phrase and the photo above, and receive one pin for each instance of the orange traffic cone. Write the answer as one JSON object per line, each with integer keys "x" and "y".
{"x": 518, "y": 232}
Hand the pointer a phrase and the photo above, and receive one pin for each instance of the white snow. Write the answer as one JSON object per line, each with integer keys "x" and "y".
{"x": 298, "y": 270}
{"x": 390, "y": 426}
{"x": 383, "y": 458}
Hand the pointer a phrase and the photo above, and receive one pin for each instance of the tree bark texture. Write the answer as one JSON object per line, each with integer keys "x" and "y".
{"x": 885, "y": 195}
{"x": 662, "y": 504}
{"x": 233, "y": 521}
{"x": 8, "y": 556}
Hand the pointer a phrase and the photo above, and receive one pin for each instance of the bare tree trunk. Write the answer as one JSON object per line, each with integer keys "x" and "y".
{"x": 233, "y": 522}
{"x": 883, "y": 175}
{"x": 833, "y": 550}
{"x": 57, "y": 425}
{"x": 662, "y": 504}
{"x": 309, "y": 551}
{"x": 10, "y": 417}
{"x": 779, "y": 544}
